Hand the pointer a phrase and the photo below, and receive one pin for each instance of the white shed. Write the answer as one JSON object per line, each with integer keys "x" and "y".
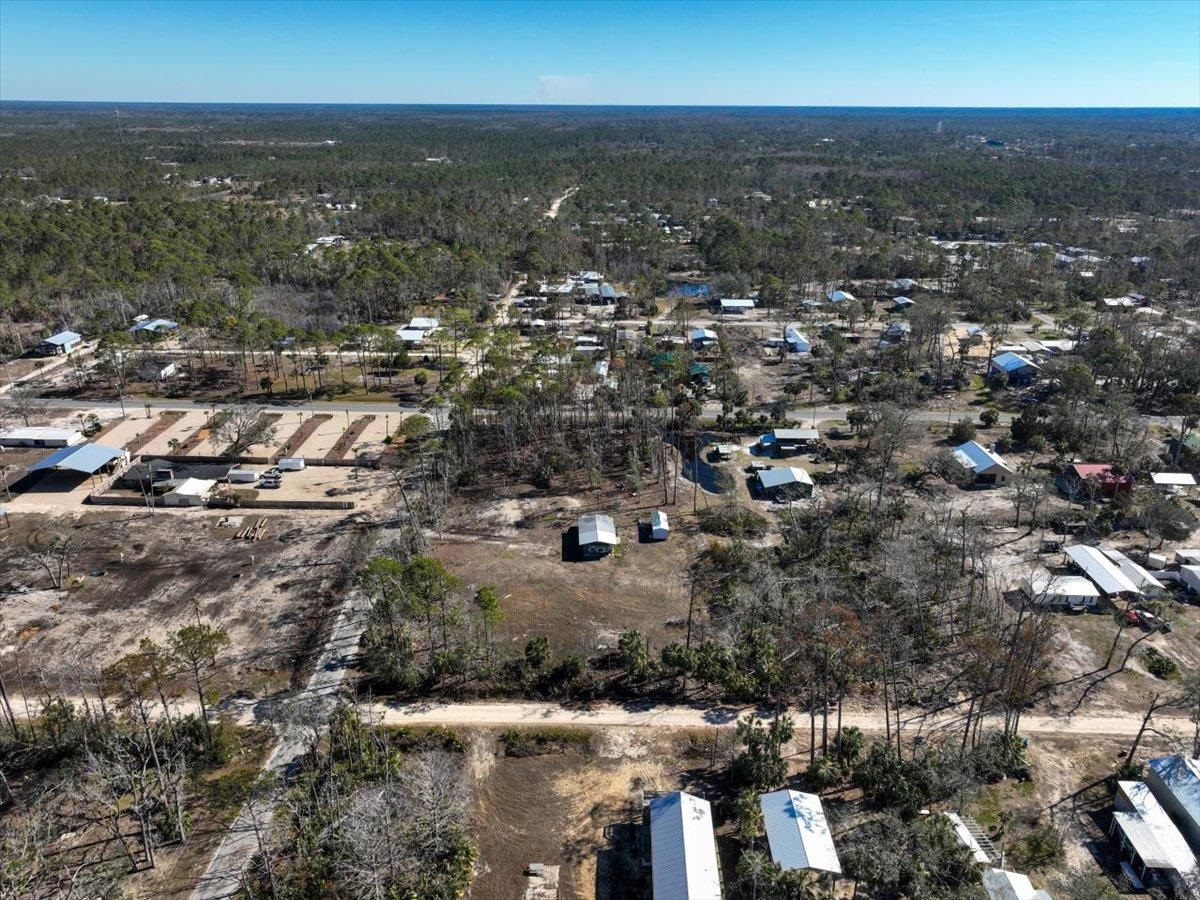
{"x": 1175, "y": 483}
{"x": 660, "y": 529}
{"x": 683, "y": 851}
{"x": 189, "y": 492}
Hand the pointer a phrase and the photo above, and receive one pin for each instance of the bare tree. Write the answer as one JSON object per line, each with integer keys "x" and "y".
{"x": 22, "y": 403}
{"x": 241, "y": 427}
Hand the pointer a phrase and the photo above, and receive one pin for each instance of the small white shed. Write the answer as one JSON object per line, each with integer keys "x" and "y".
{"x": 660, "y": 529}
{"x": 189, "y": 492}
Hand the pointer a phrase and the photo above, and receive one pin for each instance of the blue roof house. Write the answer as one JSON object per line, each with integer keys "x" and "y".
{"x": 1013, "y": 367}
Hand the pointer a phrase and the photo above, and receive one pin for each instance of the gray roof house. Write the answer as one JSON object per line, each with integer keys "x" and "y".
{"x": 988, "y": 467}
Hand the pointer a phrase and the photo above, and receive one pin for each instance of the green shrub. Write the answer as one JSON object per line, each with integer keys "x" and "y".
{"x": 1160, "y": 666}
{"x": 419, "y": 738}
{"x": 543, "y": 740}
{"x": 728, "y": 523}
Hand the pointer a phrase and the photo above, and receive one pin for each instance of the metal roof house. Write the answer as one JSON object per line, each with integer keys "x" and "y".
{"x": 1175, "y": 783}
{"x": 839, "y": 296}
{"x": 153, "y": 326}
{"x": 1070, "y": 591}
{"x": 85, "y": 458}
{"x": 903, "y": 302}
{"x": 1175, "y": 483}
{"x": 683, "y": 850}
{"x": 789, "y": 441}
{"x": 1014, "y": 367}
{"x": 597, "y": 535}
{"x": 1158, "y": 852}
{"x": 796, "y": 341}
{"x": 988, "y": 466}
{"x": 1080, "y": 479}
{"x": 785, "y": 483}
{"x": 424, "y": 323}
{"x": 1146, "y": 583}
{"x": 734, "y": 305}
{"x": 702, "y": 337}
{"x": 413, "y": 337}
{"x": 1102, "y": 570}
{"x": 30, "y": 436}
{"x": 63, "y": 343}
{"x": 1004, "y": 885}
{"x": 798, "y": 832}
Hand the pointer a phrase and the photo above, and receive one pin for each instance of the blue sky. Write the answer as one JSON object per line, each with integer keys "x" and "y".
{"x": 1023, "y": 53}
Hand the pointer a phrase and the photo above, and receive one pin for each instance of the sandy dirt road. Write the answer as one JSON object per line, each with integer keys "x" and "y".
{"x": 489, "y": 715}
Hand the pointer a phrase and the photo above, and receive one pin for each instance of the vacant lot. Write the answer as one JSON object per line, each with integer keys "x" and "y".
{"x": 134, "y": 576}
{"x": 523, "y": 546}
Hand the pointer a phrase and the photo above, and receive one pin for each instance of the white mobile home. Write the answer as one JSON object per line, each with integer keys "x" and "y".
{"x": 1069, "y": 591}
{"x": 29, "y": 436}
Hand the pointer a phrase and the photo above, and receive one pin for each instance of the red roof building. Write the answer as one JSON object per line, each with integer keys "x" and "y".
{"x": 1097, "y": 478}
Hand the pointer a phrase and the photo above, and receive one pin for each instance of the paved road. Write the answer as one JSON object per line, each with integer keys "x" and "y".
{"x": 160, "y": 405}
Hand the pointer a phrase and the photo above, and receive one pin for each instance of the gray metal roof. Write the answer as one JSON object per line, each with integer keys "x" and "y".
{"x": 1181, "y": 776}
{"x": 63, "y": 338}
{"x": 683, "y": 851}
{"x": 1150, "y": 830}
{"x": 1101, "y": 570}
{"x": 796, "y": 434}
{"x": 597, "y": 528}
{"x": 783, "y": 475}
{"x": 978, "y": 458}
{"x": 798, "y": 832}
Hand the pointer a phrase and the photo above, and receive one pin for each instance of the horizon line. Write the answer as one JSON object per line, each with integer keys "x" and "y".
{"x": 537, "y": 105}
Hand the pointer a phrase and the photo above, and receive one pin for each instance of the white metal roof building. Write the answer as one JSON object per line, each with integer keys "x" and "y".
{"x": 1098, "y": 567}
{"x": 189, "y": 492}
{"x": 1146, "y": 583}
{"x": 1173, "y": 482}
{"x": 798, "y": 831}
{"x": 1147, "y": 831}
{"x": 1060, "y": 590}
{"x": 735, "y": 304}
{"x": 1175, "y": 782}
{"x": 597, "y": 530}
{"x": 32, "y": 436}
{"x": 1003, "y": 885}
{"x": 839, "y": 296}
{"x": 790, "y": 479}
{"x": 660, "y": 527}
{"x": 683, "y": 851}
{"x": 423, "y": 323}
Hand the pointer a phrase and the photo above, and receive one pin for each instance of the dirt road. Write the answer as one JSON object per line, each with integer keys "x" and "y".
{"x": 552, "y": 212}
{"x": 491, "y": 715}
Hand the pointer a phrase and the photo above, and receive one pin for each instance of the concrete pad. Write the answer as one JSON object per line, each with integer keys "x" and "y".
{"x": 180, "y": 431}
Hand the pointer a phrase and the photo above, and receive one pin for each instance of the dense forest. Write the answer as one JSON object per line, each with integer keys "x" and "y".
{"x": 176, "y": 207}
